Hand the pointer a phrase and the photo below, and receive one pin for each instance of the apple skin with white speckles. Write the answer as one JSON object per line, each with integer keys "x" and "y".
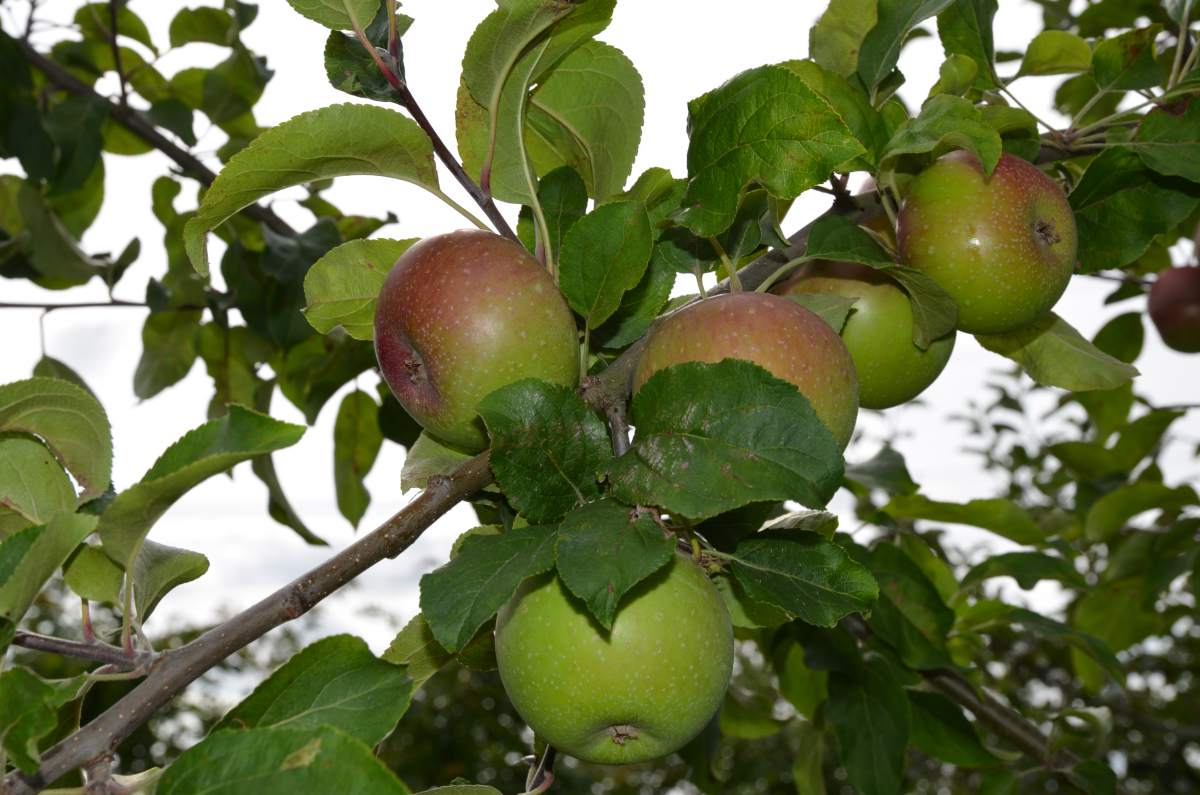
{"x": 1175, "y": 308}
{"x": 1003, "y": 247}
{"x": 773, "y": 332}
{"x": 637, "y": 693}
{"x": 878, "y": 333}
{"x": 461, "y": 315}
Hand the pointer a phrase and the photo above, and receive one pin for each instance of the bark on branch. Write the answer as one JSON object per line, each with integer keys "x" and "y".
{"x": 174, "y": 670}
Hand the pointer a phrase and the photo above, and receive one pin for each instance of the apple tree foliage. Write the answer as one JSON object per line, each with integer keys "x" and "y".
{"x": 881, "y": 661}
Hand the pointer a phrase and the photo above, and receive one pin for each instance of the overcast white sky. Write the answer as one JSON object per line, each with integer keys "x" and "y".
{"x": 682, "y": 48}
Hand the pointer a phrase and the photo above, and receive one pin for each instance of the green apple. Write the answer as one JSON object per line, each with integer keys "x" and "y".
{"x": 891, "y": 369}
{"x": 635, "y": 693}
{"x": 1003, "y": 247}
{"x": 1175, "y": 308}
{"x": 461, "y": 315}
{"x": 776, "y": 334}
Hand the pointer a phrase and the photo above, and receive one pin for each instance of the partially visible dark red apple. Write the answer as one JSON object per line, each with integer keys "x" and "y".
{"x": 461, "y": 315}
{"x": 1175, "y": 308}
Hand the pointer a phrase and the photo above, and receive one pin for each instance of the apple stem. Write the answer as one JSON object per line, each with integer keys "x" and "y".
{"x": 735, "y": 284}
{"x": 541, "y": 775}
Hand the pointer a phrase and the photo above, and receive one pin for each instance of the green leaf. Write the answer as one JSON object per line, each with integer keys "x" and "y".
{"x": 765, "y": 126}
{"x": 339, "y": 140}
{"x": 69, "y": 420}
{"x": 208, "y": 25}
{"x": 337, "y": 14}
{"x": 278, "y": 761}
{"x": 95, "y": 22}
{"x": 458, "y": 598}
{"x": 159, "y": 569}
{"x": 548, "y": 447}
{"x": 313, "y": 371}
{"x": 1027, "y": 568}
{"x": 341, "y": 288}
{"x": 1127, "y": 62}
{"x": 1122, "y": 337}
{"x": 499, "y": 41}
{"x": 965, "y": 29}
{"x": 168, "y": 350}
{"x": 13, "y": 549}
{"x": 418, "y": 651}
{"x": 1121, "y": 206}
{"x": 27, "y": 713}
{"x": 198, "y": 455}
{"x": 52, "y": 251}
{"x": 356, "y": 443}
{"x": 834, "y": 237}
{"x": 1169, "y": 143}
{"x": 93, "y": 576}
{"x": 852, "y": 104}
{"x": 461, "y": 789}
{"x": 55, "y": 542}
{"x": 744, "y": 612}
{"x": 564, "y": 199}
{"x": 587, "y": 113}
{"x": 934, "y": 312}
{"x": 639, "y": 306}
{"x": 885, "y": 470}
{"x": 946, "y": 122}
{"x": 1080, "y": 640}
{"x": 712, "y": 437}
{"x": 1003, "y": 517}
{"x": 808, "y": 768}
{"x": 806, "y": 688}
{"x": 334, "y": 682}
{"x": 910, "y": 615}
{"x": 603, "y": 255}
{"x": 881, "y": 46}
{"x": 833, "y": 309}
{"x": 812, "y": 579}
{"x": 1109, "y": 514}
{"x": 940, "y": 729}
{"x": 604, "y": 549}
{"x": 835, "y": 40}
{"x": 428, "y": 458}
{"x": 49, "y": 367}
{"x": 33, "y": 486}
{"x": 870, "y": 697}
{"x": 1054, "y": 354}
{"x": 1056, "y": 52}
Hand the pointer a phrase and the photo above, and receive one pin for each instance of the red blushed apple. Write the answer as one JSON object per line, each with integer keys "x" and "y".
{"x": 778, "y": 335}
{"x": 891, "y": 369}
{"x": 1002, "y": 246}
{"x": 1175, "y": 308}
{"x": 461, "y": 315}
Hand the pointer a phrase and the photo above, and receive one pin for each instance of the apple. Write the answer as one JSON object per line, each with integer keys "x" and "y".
{"x": 1003, "y": 247}
{"x": 776, "y": 334}
{"x": 1175, "y": 308}
{"x": 890, "y": 368}
{"x": 632, "y": 694}
{"x": 461, "y": 315}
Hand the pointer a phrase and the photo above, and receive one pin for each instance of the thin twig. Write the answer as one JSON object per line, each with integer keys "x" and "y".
{"x": 177, "y": 668}
{"x": 96, "y": 651}
{"x": 134, "y": 122}
{"x": 113, "y": 9}
{"x": 409, "y": 103}
{"x": 49, "y": 307}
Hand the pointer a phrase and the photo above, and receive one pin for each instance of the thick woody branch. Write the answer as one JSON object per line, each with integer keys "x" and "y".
{"x": 133, "y": 121}
{"x": 174, "y": 670}
{"x": 1001, "y": 719}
